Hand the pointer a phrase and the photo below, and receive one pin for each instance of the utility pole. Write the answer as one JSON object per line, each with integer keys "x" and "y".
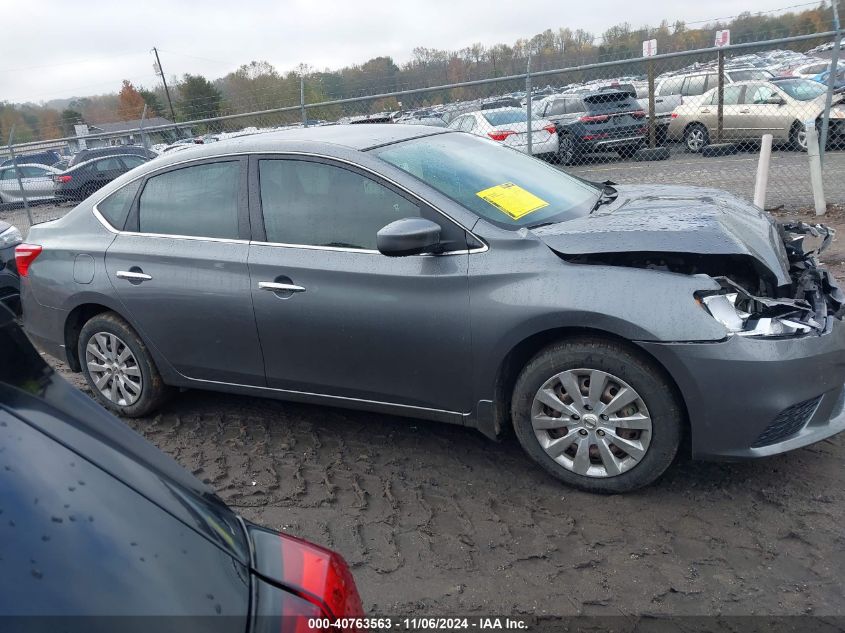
{"x": 164, "y": 81}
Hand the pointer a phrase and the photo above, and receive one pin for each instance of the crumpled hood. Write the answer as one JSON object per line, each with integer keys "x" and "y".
{"x": 673, "y": 219}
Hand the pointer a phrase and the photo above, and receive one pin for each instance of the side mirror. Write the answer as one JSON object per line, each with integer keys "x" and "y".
{"x": 775, "y": 100}
{"x": 408, "y": 236}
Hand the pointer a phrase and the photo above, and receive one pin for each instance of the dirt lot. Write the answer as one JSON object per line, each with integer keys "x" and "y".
{"x": 437, "y": 520}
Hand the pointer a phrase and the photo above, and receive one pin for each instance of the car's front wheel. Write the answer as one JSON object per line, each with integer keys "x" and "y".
{"x": 566, "y": 151}
{"x": 597, "y": 415}
{"x": 118, "y": 366}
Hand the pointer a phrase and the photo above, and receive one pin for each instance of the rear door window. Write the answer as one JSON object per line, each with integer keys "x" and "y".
{"x": 132, "y": 161}
{"x": 556, "y": 108}
{"x": 575, "y": 106}
{"x": 671, "y": 86}
{"x": 199, "y": 201}
{"x": 694, "y": 85}
{"x": 115, "y": 208}
{"x": 108, "y": 164}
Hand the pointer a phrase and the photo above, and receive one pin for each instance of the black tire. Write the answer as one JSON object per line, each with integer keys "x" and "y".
{"x": 797, "y": 141}
{"x": 153, "y": 390}
{"x": 642, "y": 374}
{"x": 567, "y": 153}
{"x": 694, "y": 132}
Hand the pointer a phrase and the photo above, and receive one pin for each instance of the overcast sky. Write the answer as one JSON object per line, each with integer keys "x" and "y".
{"x": 54, "y": 48}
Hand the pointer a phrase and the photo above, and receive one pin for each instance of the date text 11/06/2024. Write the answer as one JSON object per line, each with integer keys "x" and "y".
{"x": 419, "y": 624}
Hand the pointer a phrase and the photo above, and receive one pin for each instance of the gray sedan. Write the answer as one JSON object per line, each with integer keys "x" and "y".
{"x": 428, "y": 273}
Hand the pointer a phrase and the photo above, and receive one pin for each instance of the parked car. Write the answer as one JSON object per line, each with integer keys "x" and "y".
{"x": 500, "y": 102}
{"x": 807, "y": 70}
{"x": 697, "y": 83}
{"x": 99, "y": 522}
{"x": 594, "y": 122}
{"x": 37, "y": 182}
{"x": 85, "y": 155}
{"x": 49, "y": 158}
{"x": 839, "y": 82}
{"x": 751, "y": 109}
{"x": 435, "y": 121}
{"x": 509, "y": 126}
{"x": 422, "y": 272}
{"x": 10, "y": 286}
{"x": 83, "y": 179}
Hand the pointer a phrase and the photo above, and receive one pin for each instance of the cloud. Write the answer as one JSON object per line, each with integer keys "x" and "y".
{"x": 53, "y": 51}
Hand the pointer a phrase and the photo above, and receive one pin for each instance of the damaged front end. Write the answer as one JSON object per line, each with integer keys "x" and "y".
{"x": 812, "y": 298}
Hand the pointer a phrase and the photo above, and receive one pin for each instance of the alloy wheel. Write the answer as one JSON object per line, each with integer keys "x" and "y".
{"x": 696, "y": 139}
{"x": 591, "y": 422}
{"x": 114, "y": 369}
{"x": 566, "y": 149}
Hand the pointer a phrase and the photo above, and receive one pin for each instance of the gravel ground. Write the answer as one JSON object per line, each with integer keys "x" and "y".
{"x": 438, "y": 520}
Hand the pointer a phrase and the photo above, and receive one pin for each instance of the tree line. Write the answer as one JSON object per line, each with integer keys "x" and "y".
{"x": 259, "y": 86}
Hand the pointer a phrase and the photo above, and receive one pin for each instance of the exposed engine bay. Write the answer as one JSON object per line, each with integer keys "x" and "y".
{"x": 749, "y": 302}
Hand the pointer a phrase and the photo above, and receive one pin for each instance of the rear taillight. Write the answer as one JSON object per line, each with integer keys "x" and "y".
{"x": 594, "y": 118}
{"x": 64, "y": 178}
{"x": 551, "y": 129}
{"x": 674, "y": 115}
{"x": 321, "y": 576}
{"x": 638, "y": 114}
{"x": 500, "y": 135}
{"x": 25, "y": 254}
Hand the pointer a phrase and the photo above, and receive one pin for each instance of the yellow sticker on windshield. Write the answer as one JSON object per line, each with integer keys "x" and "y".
{"x": 512, "y": 200}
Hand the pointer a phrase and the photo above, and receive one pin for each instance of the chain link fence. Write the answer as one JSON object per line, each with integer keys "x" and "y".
{"x": 688, "y": 118}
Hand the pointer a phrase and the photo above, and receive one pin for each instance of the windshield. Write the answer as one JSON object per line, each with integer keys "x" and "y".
{"x": 506, "y": 117}
{"x": 802, "y": 89}
{"x": 497, "y": 183}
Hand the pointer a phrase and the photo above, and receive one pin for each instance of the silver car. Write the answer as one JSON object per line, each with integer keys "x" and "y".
{"x": 509, "y": 126}
{"x": 754, "y": 108}
{"x": 37, "y": 181}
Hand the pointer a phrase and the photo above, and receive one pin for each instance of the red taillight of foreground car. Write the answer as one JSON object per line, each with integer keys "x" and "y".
{"x": 320, "y": 576}
{"x": 63, "y": 178}
{"x": 674, "y": 115}
{"x": 25, "y": 254}
{"x": 551, "y": 129}
{"x": 500, "y": 135}
{"x": 594, "y": 118}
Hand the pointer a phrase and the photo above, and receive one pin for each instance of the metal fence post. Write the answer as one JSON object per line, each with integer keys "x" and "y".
{"x": 652, "y": 124}
{"x": 720, "y": 107}
{"x": 143, "y": 137}
{"x": 815, "y": 167}
{"x": 831, "y": 82}
{"x": 18, "y": 175}
{"x": 302, "y": 99}
{"x": 528, "y": 104}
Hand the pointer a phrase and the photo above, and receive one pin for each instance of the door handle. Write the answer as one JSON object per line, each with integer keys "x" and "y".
{"x": 745, "y": 110}
{"x": 705, "y": 111}
{"x": 132, "y": 276}
{"x": 273, "y": 286}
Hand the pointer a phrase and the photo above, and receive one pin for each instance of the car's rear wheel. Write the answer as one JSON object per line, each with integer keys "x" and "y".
{"x": 597, "y": 415}
{"x": 696, "y": 137}
{"x": 118, "y": 366}
{"x": 566, "y": 151}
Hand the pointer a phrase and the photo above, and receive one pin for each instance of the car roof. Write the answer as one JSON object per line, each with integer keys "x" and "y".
{"x": 325, "y": 138}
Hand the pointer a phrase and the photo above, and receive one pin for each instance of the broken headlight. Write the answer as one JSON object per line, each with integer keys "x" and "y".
{"x": 744, "y": 314}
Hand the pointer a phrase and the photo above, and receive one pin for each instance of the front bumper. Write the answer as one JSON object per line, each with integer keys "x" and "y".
{"x": 738, "y": 392}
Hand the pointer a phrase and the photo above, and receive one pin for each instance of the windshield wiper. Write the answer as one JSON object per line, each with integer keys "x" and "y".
{"x": 608, "y": 194}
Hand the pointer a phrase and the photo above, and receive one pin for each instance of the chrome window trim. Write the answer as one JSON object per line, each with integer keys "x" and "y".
{"x": 111, "y": 229}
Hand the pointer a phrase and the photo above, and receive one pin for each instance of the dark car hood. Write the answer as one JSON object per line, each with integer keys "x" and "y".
{"x": 674, "y": 219}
